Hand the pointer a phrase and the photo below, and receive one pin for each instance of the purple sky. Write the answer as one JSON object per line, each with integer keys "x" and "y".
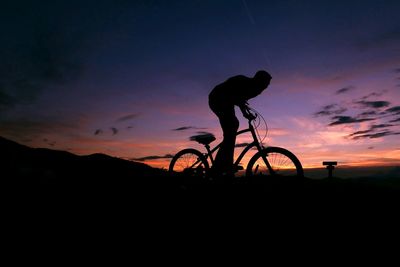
{"x": 117, "y": 76}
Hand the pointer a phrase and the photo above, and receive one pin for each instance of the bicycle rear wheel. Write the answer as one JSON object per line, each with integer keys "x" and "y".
{"x": 283, "y": 163}
{"x": 189, "y": 162}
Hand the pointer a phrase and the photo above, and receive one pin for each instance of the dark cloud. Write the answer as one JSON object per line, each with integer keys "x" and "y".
{"x": 127, "y": 117}
{"x": 371, "y": 147}
{"x": 377, "y": 126}
{"x": 368, "y": 113}
{"x": 333, "y": 109}
{"x": 397, "y": 70}
{"x": 374, "y": 94}
{"x": 360, "y": 132}
{"x": 98, "y": 131}
{"x": 372, "y": 128}
{"x": 347, "y": 119}
{"x": 395, "y": 120}
{"x": 167, "y": 156}
{"x": 373, "y": 104}
{"x": 204, "y": 133}
{"x": 329, "y": 107}
{"x": 184, "y": 128}
{"x": 114, "y": 130}
{"x": 381, "y": 134}
{"x": 395, "y": 110}
{"x": 376, "y": 135}
{"x": 344, "y": 90}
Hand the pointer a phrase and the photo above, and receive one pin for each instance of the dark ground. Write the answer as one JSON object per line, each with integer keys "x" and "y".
{"x": 101, "y": 202}
{"x": 58, "y": 181}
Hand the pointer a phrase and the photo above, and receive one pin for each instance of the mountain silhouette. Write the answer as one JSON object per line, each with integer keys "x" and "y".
{"x": 41, "y": 165}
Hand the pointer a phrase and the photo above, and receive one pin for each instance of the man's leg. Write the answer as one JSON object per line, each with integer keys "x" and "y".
{"x": 230, "y": 124}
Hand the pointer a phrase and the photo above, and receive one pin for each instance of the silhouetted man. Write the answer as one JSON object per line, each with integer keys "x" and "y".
{"x": 222, "y": 100}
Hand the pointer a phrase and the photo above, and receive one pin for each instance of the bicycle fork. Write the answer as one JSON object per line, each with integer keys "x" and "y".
{"x": 271, "y": 171}
{"x": 260, "y": 148}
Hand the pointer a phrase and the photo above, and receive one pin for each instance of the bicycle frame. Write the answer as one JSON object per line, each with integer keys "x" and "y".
{"x": 255, "y": 143}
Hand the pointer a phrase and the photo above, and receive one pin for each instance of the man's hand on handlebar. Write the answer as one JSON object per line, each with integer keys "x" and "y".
{"x": 244, "y": 107}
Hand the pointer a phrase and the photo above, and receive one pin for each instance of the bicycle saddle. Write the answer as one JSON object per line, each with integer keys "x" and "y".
{"x": 204, "y": 139}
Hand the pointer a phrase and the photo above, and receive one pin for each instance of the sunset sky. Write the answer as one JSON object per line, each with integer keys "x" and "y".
{"x": 131, "y": 78}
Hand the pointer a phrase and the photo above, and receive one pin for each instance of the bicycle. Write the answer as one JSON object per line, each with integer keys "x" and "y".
{"x": 268, "y": 161}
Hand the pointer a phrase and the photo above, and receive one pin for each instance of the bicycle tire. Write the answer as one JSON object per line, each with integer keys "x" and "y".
{"x": 283, "y": 162}
{"x": 184, "y": 163}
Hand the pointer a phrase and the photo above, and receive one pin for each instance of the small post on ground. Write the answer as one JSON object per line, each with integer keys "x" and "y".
{"x": 330, "y": 166}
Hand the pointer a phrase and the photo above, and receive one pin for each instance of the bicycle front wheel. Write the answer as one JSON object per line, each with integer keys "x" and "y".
{"x": 189, "y": 162}
{"x": 282, "y": 163}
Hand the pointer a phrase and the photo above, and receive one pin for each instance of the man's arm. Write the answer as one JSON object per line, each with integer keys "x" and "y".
{"x": 243, "y": 108}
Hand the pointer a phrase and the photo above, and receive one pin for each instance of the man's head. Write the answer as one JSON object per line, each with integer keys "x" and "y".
{"x": 262, "y": 78}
